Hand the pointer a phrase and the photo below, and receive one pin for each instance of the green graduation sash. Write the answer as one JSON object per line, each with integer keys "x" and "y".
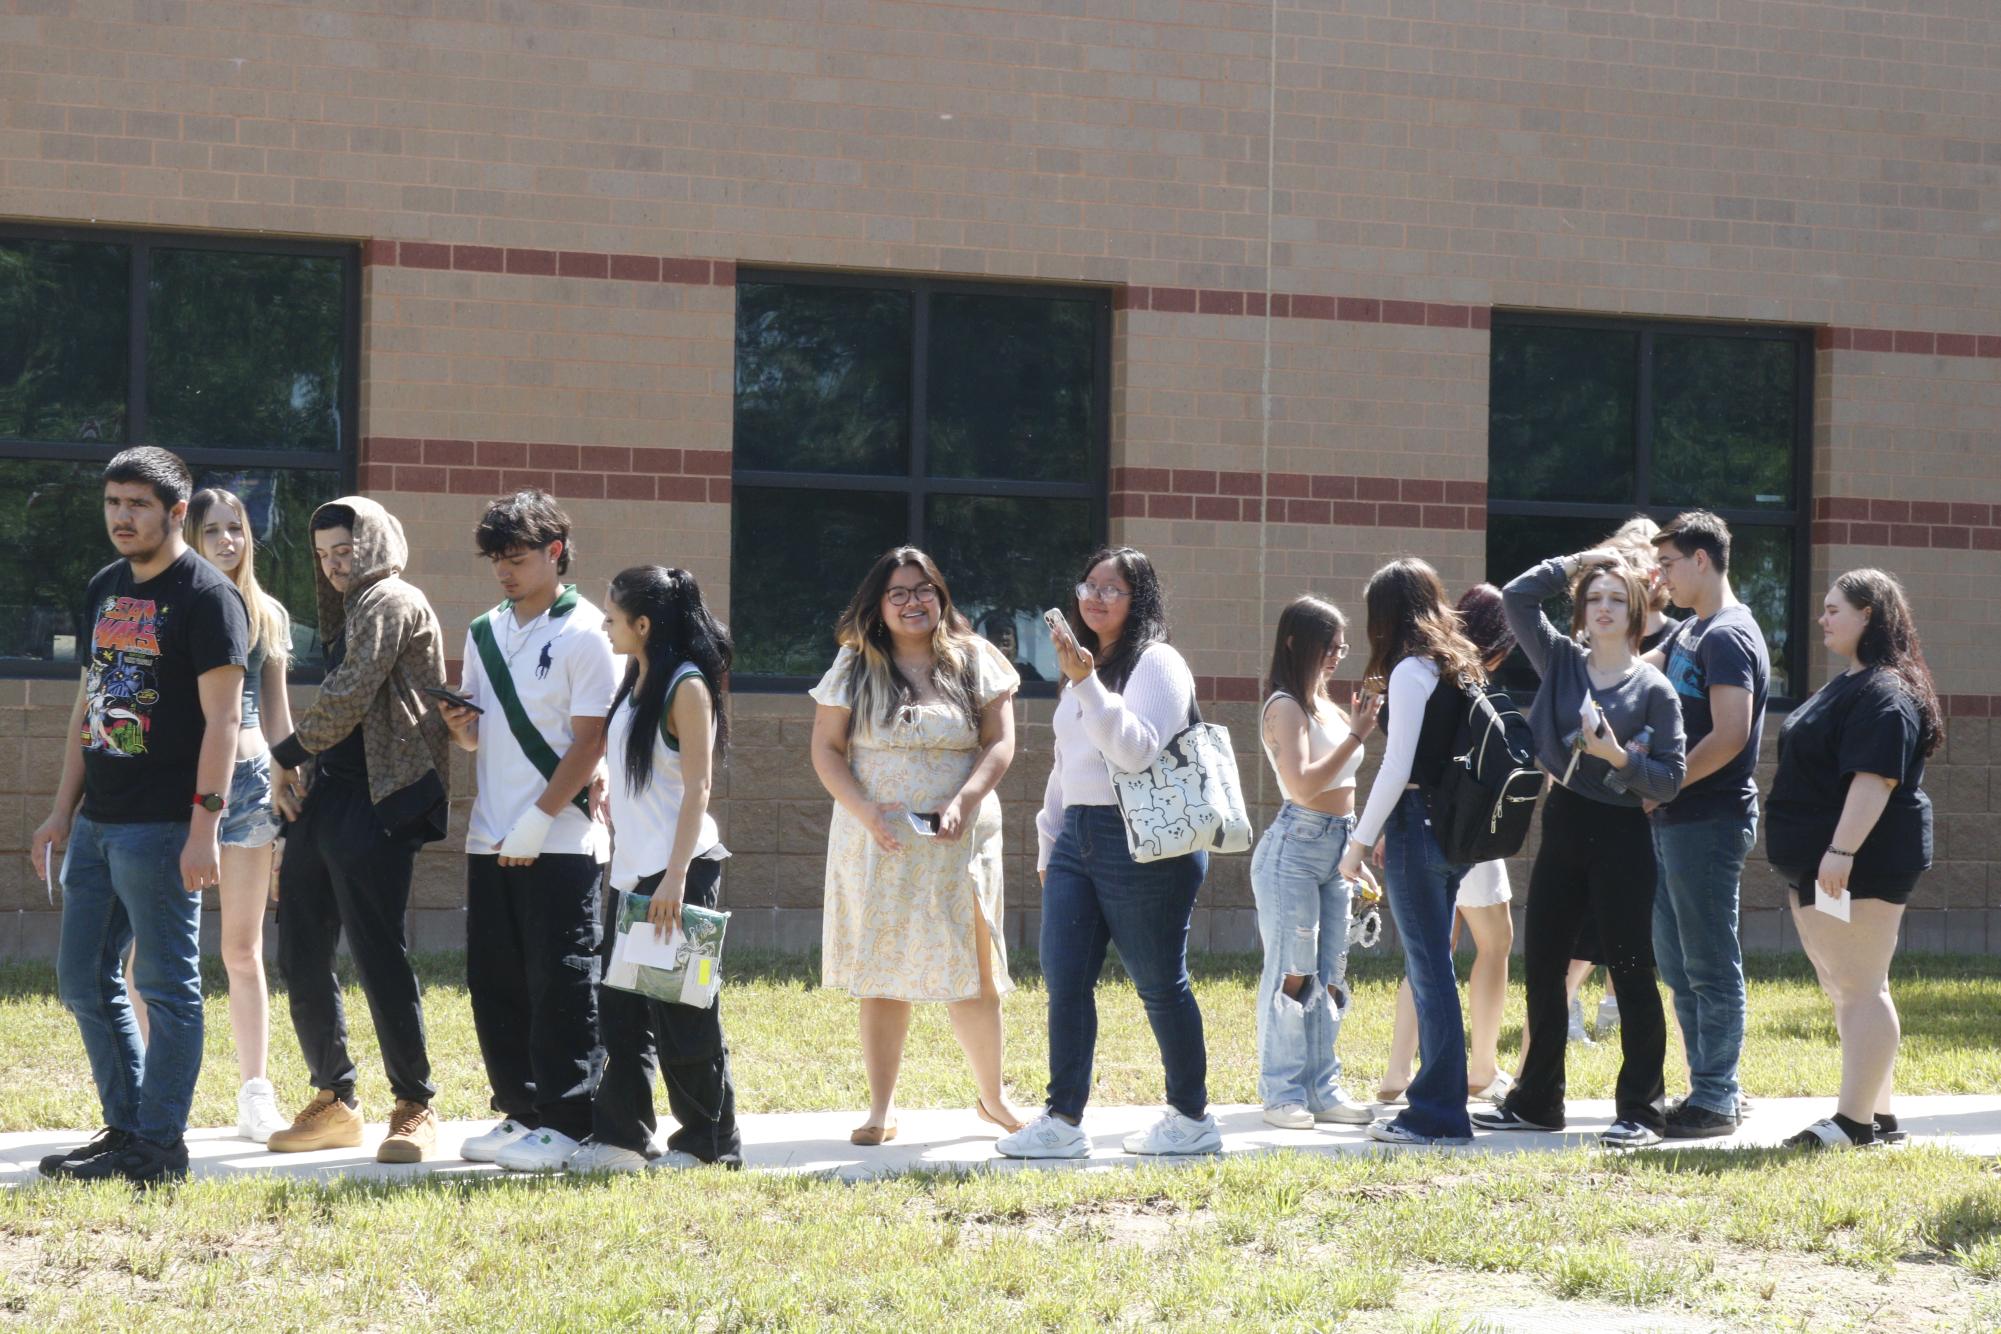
{"x": 533, "y": 744}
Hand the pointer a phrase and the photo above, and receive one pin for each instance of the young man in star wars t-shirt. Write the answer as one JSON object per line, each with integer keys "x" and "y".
{"x": 145, "y": 777}
{"x": 540, "y": 668}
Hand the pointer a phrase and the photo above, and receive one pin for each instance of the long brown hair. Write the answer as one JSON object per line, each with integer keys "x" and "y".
{"x": 1306, "y": 629}
{"x": 1408, "y": 617}
{"x": 1483, "y": 616}
{"x": 270, "y": 624}
{"x": 1890, "y": 641}
{"x": 1636, "y": 598}
{"x": 877, "y": 688}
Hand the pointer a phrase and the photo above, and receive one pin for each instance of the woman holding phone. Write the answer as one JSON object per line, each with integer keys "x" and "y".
{"x": 914, "y": 730}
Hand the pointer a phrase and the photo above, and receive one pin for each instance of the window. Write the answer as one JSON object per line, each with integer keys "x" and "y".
{"x": 237, "y": 355}
{"x": 1592, "y": 421}
{"x": 966, "y": 418}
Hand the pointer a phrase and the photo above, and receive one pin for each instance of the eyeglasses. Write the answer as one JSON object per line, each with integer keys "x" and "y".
{"x": 900, "y": 597}
{"x": 1107, "y": 594}
{"x": 1337, "y": 651}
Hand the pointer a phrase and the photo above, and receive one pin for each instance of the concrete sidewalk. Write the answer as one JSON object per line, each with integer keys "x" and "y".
{"x": 956, "y": 1140}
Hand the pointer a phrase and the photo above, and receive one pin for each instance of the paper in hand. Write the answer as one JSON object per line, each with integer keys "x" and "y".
{"x": 49, "y": 870}
{"x": 645, "y": 947}
{"x": 1836, "y": 906}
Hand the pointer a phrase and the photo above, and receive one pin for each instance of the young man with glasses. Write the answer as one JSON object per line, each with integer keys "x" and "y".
{"x": 1717, "y": 662}
{"x": 145, "y": 776}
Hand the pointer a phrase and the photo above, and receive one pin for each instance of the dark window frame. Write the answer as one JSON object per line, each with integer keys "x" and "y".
{"x": 1797, "y": 516}
{"x": 913, "y": 483}
{"x": 344, "y": 460}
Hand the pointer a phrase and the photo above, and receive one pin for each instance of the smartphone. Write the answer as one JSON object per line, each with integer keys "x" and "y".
{"x": 452, "y": 697}
{"x": 924, "y": 824}
{"x": 1057, "y": 624}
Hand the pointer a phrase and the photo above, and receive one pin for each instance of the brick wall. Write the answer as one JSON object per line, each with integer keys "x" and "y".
{"x": 1304, "y": 253}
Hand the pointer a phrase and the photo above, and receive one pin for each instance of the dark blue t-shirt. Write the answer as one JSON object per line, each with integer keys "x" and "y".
{"x": 1727, "y": 649}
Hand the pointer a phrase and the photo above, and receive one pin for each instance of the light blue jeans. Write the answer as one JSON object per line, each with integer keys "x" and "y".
{"x": 121, "y": 883}
{"x": 1696, "y": 947}
{"x": 1303, "y": 905}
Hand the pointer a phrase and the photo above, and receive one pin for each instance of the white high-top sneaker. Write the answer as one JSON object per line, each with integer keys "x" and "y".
{"x": 257, "y": 1114}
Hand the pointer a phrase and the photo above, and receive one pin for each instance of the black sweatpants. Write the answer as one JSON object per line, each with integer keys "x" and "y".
{"x": 343, "y": 872}
{"x": 686, "y": 1043}
{"x": 532, "y": 940}
{"x": 1595, "y": 859}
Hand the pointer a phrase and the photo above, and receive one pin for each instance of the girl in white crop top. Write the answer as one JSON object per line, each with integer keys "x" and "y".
{"x": 1303, "y": 900}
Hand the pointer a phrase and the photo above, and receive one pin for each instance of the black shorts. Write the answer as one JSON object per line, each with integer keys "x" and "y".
{"x": 1886, "y": 887}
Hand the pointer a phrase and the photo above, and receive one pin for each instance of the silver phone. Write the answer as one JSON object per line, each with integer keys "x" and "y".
{"x": 1059, "y": 626}
{"x": 924, "y": 823}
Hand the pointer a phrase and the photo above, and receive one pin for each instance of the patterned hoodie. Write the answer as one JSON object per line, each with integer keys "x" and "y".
{"x": 394, "y": 649}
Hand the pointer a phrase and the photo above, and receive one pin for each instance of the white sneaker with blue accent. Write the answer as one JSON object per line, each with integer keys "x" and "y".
{"x": 1387, "y": 1131}
{"x": 1174, "y": 1133}
{"x": 485, "y": 1148}
{"x": 539, "y": 1151}
{"x": 1047, "y": 1136}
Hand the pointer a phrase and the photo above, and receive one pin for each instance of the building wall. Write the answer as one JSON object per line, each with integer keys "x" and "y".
{"x": 1307, "y": 214}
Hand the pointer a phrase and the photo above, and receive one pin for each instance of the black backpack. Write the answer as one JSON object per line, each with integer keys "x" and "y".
{"x": 1481, "y": 807}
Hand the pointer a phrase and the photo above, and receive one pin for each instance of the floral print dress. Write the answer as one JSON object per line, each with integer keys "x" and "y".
{"x": 899, "y": 926}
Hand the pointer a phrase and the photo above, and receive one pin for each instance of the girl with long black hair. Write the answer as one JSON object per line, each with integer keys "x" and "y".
{"x": 1126, "y": 695}
{"x": 668, "y": 724}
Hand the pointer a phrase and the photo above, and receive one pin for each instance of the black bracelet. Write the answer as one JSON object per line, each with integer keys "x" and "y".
{"x": 1837, "y": 852}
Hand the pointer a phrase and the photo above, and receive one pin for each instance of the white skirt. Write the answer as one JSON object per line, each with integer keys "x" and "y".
{"x": 1485, "y": 885}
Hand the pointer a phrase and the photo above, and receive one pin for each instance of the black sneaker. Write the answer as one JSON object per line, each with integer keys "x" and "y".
{"x": 1501, "y": 1118}
{"x": 1688, "y": 1121}
{"x": 107, "y": 1140}
{"x": 141, "y": 1162}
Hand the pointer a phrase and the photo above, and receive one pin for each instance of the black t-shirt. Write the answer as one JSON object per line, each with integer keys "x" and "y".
{"x": 346, "y": 760}
{"x": 1728, "y": 649}
{"x": 1865, "y": 723}
{"x": 142, "y": 722}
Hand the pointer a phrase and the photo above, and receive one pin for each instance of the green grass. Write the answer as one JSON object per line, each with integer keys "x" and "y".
{"x": 795, "y": 1050}
{"x": 1732, "y": 1239}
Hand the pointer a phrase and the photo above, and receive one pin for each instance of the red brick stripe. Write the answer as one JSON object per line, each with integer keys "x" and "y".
{"x": 1917, "y": 342}
{"x": 573, "y": 472}
{"x": 1298, "y": 306}
{"x": 1945, "y": 525}
{"x": 551, "y": 263}
{"x": 1297, "y": 497}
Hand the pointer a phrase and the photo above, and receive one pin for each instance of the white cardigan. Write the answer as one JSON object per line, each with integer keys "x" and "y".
{"x": 1128, "y": 730}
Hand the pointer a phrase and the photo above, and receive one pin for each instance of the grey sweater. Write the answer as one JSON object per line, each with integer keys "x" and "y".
{"x": 1643, "y": 699}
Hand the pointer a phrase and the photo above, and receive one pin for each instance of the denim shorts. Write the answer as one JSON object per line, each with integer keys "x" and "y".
{"x": 250, "y": 822}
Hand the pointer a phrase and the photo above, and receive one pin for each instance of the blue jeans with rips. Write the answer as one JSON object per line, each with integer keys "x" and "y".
{"x": 1421, "y": 886}
{"x": 121, "y": 885}
{"x": 1303, "y": 906}
{"x": 1093, "y": 895}
{"x": 1696, "y": 947}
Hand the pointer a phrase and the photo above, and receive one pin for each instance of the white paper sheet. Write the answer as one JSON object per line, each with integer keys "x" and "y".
{"x": 642, "y": 946}
{"x": 1835, "y": 906}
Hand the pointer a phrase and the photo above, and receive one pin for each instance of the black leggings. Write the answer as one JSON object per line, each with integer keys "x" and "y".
{"x": 1596, "y": 860}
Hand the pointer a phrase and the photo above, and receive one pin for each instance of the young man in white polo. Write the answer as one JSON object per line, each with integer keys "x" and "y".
{"x": 541, "y": 668}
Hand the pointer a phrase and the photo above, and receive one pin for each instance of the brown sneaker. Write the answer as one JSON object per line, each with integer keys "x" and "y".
{"x": 413, "y": 1134}
{"x": 324, "y": 1123}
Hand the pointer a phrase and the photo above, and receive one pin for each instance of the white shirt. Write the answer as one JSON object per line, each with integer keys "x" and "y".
{"x": 1325, "y": 731}
{"x": 1411, "y": 684}
{"x": 644, "y": 820}
{"x": 1095, "y": 728}
{"x": 562, "y": 669}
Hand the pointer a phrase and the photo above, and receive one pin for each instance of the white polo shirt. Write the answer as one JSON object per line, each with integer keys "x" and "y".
{"x": 562, "y": 668}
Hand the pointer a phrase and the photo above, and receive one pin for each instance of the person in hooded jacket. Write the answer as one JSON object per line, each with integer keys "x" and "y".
{"x": 380, "y": 763}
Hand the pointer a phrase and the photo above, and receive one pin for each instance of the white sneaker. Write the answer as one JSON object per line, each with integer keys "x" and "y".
{"x": 1387, "y": 1131}
{"x": 597, "y": 1156}
{"x": 538, "y": 1151}
{"x": 485, "y": 1148}
{"x": 1608, "y": 1016}
{"x": 1047, "y": 1136}
{"x": 1345, "y": 1111}
{"x": 1174, "y": 1133}
{"x": 1289, "y": 1116}
{"x": 257, "y": 1114}
{"x": 674, "y": 1160}
{"x": 1578, "y": 1032}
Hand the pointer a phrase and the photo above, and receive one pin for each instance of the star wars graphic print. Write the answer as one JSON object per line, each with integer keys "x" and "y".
{"x": 124, "y": 684}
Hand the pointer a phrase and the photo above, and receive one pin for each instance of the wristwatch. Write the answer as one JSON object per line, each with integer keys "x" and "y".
{"x": 209, "y": 801}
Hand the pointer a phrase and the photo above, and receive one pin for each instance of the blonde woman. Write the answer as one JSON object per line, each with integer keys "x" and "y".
{"x": 914, "y": 730}
{"x": 218, "y": 528}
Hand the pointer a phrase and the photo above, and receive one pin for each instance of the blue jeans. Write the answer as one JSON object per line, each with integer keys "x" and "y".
{"x": 1095, "y": 894}
{"x": 121, "y": 884}
{"x": 1695, "y": 945}
{"x": 1421, "y": 886}
{"x": 1303, "y": 906}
